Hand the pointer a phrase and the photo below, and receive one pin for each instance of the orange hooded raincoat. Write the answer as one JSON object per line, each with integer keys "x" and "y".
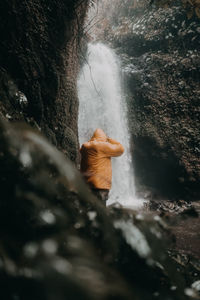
{"x": 96, "y": 159}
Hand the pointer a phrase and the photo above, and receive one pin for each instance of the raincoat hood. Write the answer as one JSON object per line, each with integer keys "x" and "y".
{"x": 99, "y": 135}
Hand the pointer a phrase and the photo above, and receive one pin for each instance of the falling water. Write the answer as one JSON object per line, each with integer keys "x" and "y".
{"x": 102, "y": 105}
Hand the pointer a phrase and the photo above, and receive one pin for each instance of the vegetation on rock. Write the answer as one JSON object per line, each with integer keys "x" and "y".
{"x": 160, "y": 61}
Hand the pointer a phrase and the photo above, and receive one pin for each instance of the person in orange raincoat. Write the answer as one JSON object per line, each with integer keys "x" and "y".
{"x": 96, "y": 162}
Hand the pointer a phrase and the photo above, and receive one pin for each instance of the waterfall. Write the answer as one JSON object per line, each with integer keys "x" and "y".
{"x": 102, "y": 105}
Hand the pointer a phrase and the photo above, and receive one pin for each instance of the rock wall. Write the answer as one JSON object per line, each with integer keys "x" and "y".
{"x": 160, "y": 63}
{"x": 39, "y": 65}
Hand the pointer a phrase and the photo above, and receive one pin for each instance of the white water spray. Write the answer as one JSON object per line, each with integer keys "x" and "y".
{"x": 102, "y": 105}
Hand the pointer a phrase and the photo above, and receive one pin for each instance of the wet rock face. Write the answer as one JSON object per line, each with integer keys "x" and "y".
{"x": 58, "y": 241}
{"x": 160, "y": 62}
{"x": 165, "y": 121}
{"x": 39, "y": 45}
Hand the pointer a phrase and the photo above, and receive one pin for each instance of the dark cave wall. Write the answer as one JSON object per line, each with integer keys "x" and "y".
{"x": 39, "y": 58}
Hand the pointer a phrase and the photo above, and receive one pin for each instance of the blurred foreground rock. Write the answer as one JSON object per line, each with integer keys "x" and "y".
{"x": 58, "y": 242}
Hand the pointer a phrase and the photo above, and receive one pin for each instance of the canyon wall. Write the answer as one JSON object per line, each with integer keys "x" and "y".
{"x": 39, "y": 65}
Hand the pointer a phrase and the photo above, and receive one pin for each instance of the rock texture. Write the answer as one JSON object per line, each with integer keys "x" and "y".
{"x": 39, "y": 65}
{"x": 160, "y": 62}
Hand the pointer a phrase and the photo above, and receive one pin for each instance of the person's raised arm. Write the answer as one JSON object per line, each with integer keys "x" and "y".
{"x": 112, "y": 148}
